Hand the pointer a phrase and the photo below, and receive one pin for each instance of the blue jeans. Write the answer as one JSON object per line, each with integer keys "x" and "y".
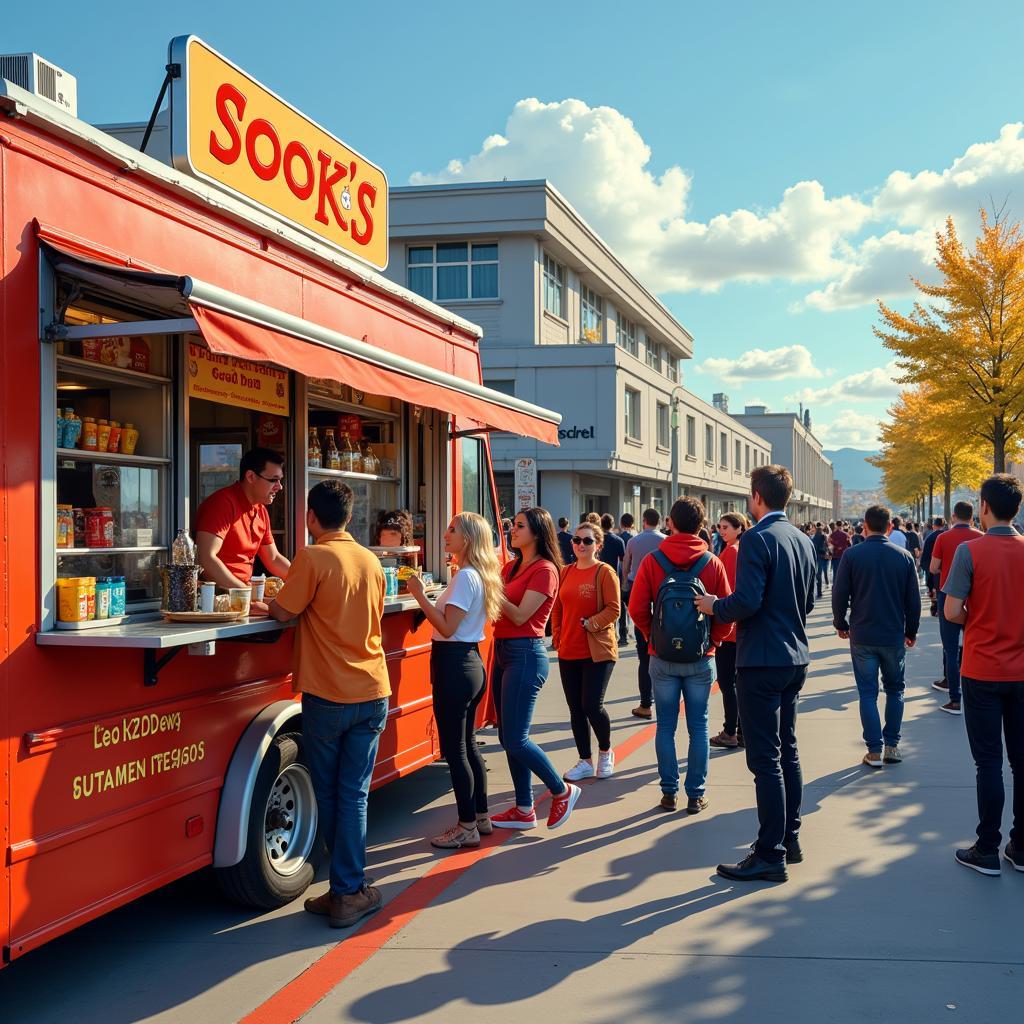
{"x": 340, "y": 745}
{"x": 690, "y": 682}
{"x": 868, "y": 662}
{"x": 950, "y": 635}
{"x": 521, "y": 669}
{"x": 822, "y": 574}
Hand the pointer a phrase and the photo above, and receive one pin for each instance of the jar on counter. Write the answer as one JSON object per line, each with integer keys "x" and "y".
{"x": 72, "y": 600}
{"x": 117, "y": 596}
{"x": 115, "y": 436}
{"x": 99, "y": 527}
{"x": 102, "y": 435}
{"x": 129, "y": 439}
{"x": 103, "y": 595}
{"x": 65, "y": 526}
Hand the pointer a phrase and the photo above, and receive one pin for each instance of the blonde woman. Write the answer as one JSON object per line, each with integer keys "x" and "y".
{"x": 457, "y": 673}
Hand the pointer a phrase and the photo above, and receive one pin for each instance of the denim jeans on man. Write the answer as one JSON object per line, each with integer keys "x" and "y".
{"x": 690, "y": 682}
{"x": 339, "y": 742}
{"x": 521, "y": 669}
{"x": 868, "y": 662}
{"x": 822, "y": 574}
{"x": 950, "y": 633}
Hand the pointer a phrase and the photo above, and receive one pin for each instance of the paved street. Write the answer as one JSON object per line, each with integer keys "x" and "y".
{"x": 619, "y": 917}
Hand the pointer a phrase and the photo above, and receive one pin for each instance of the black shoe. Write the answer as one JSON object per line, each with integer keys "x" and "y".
{"x": 623, "y": 641}
{"x": 696, "y": 804}
{"x": 753, "y": 869}
{"x": 983, "y": 863}
{"x": 1014, "y": 856}
{"x": 794, "y": 855}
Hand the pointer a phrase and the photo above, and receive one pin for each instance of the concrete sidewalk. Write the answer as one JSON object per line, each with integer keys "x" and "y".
{"x": 619, "y": 916}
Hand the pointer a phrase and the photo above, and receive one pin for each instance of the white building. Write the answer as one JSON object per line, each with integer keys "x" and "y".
{"x": 566, "y": 325}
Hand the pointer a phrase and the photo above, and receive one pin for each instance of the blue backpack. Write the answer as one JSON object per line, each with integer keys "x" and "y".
{"x": 680, "y": 632}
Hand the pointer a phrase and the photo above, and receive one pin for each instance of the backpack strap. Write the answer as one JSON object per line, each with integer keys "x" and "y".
{"x": 700, "y": 565}
{"x": 667, "y": 566}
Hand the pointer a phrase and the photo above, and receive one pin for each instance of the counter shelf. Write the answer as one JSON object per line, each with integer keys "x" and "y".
{"x": 347, "y": 474}
{"x": 114, "y": 458}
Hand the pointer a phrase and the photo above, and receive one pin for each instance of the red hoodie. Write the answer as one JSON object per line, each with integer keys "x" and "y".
{"x": 681, "y": 549}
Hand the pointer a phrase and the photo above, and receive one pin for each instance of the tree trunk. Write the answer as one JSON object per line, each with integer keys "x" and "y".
{"x": 931, "y": 497}
{"x": 947, "y": 484}
{"x": 999, "y": 443}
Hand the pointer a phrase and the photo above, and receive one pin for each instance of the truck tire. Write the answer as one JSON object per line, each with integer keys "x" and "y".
{"x": 284, "y": 846}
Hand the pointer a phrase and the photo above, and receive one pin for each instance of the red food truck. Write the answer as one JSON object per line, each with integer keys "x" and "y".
{"x": 156, "y": 322}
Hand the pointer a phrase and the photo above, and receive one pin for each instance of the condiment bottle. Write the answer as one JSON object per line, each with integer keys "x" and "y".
{"x": 72, "y": 428}
{"x": 102, "y": 435}
{"x": 370, "y": 462}
{"x": 90, "y": 435}
{"x": 350, "y": 459}
{"x": 115, "y": 436}
{"x": 332, "y": 458}
{"x": 314, "y": 456}
{"x": 129, "y": 439}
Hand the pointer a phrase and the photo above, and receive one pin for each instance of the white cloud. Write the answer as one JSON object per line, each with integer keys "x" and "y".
{"x": 849, "y": 429}
{"x": 881, "y": 268}
{"x": 599, "y": 161}
{"x": 868, "y": 386}
{"x": 763, "y": 364}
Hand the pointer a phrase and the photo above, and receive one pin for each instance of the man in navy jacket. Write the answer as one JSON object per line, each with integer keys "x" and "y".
{"x": 879, "y": 580}
{"x": 774, "y": 595}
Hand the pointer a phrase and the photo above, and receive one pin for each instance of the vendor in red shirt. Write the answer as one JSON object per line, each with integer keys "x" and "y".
{"x": 233, "y": 525}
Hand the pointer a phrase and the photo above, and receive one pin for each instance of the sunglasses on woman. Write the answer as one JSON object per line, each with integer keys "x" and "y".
{"x": 584, "y": 540}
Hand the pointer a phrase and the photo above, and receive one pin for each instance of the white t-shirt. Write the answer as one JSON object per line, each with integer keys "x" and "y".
{"x": 899, "y": 538}
{"x": 466, "y": 591}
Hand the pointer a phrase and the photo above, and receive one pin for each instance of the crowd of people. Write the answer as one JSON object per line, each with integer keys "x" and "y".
{"x": 727, "y": 601}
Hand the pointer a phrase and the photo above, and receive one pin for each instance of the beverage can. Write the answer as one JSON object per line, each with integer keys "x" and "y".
{"x": 103, "y": 594}
{"x": 207, "y": 596}
{"x": 118, "y": 594}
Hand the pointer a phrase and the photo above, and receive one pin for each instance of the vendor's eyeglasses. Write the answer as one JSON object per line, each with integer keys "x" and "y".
{"x": 272, "y": 479}
{"x": 584, "y": 540}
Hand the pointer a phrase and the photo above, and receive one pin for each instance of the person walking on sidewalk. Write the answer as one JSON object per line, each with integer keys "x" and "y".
{"x": 521, "y": 668}
{"x": 626, "y": 534}
{"x": 583, "y": 621}
{"x": 685, "y": 554}
{"x": 983, "y": 594}
{"x": 839, "y": 540}
{"x": 877, "y": 585}
{"x": 820, "y": 541}
{"x": 896, "y": 534}
{"x": 457, "y": 674}
{"x": 731, "y": 528}
{"x": 774, "y": 595}
{"x": 335, "y": 588}
{"x": 565, "y": 541}
{"x": 950, "y": 632}
{"x": 648, "y": 540}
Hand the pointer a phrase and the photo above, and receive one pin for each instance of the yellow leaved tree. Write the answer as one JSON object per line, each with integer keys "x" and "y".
{"x": 967, "y": 345}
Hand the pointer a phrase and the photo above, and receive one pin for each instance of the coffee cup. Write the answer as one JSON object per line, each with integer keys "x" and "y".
{"x": 240, "y": 599}
{"x": 256, "y": 585}
{"x": 207, "y": 593}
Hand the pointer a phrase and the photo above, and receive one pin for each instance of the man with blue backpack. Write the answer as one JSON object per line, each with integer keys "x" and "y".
{"x": 682, "y": 643}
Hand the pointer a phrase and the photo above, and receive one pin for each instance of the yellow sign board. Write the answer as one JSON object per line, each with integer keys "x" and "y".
{"x": 228, "y": 129}
{"x": 231, "y": 381}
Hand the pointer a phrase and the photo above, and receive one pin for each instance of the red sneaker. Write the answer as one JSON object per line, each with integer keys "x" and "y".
{"x": 514, "y": 818}
{"x": 561, "y": 806}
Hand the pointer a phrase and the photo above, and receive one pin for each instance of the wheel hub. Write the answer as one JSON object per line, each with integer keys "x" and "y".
{"x": 290, "y": 820}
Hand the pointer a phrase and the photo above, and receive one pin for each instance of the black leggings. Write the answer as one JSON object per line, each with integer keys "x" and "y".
{"x": 457, "y": 677}
{"x": 725, "y": 666}
{"x": 585, "y": 682}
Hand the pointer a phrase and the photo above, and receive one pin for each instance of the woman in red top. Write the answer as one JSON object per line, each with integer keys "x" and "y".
{"x": 582, "y": 620}
{"x": 730, "y": 527}
{"x": 521, "y": 667}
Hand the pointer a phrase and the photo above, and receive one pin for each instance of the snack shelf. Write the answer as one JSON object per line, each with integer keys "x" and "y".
{"x": 61, "y": 552}
{"x": 113, "y": 458}
{"x": 346, "y": 474}
{"x": 110, "y": 374}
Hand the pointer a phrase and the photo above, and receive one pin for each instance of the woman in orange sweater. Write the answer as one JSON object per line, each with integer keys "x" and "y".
{"x": 730, "y": 528}
{"x": 583, "y": 621}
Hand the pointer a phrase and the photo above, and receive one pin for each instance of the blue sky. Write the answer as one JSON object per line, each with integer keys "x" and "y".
{"x": 741, "y": 160}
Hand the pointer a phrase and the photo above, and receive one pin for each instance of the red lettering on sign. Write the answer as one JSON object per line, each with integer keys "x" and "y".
{"x": 326, "y": 190}
{"x": 296, "y": 150}
{"x": 366, "y": 196}
{"x": 228, "y": 154}
{"x": 262, "y": 127}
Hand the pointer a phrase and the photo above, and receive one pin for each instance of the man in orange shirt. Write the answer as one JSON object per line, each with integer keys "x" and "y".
{"x": 336, "y": 589}
{"x": 233, "y": 525}
{"x": 942, "y": 559}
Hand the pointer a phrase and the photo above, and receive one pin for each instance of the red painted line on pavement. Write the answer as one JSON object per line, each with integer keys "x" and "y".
{"x": 302, "y": 993}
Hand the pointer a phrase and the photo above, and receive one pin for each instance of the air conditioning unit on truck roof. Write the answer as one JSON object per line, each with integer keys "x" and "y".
{"x": 40, "y": 77}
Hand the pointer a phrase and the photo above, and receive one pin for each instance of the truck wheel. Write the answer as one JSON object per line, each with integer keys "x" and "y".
{"x": 284, "y": 847}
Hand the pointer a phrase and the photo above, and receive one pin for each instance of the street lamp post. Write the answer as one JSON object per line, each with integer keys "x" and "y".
{"x": 674, "y": 402}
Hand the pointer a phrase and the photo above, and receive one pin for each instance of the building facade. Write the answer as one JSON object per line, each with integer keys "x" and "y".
{"x": 795, "y": 447}
{"x": 566, "y": 325}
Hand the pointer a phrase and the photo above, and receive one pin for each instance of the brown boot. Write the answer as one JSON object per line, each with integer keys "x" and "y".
{"x": 347, "y": 909}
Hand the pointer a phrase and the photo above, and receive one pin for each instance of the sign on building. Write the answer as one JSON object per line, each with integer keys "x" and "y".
{"x": 526, "y": 483}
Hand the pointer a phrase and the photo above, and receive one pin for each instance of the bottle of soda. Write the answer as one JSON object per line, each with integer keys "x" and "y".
{"x": 315, "y": 454}
{"x": 332, "y": 459}
{"x": 183, "y": 550}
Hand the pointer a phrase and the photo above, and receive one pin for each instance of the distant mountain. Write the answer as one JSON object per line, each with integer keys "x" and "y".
{"x": 853, "y": 472}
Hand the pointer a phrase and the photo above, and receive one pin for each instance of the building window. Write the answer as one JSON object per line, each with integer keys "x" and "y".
{"x": 449, "y": 271}
{"x": 653, "y": 354}
{"x": 723, "y": 450}
{"x": 709, "y": 444}
{"x": 746, "y": 458}
{"x": 632, "y": 414}
{"x": 736, "y": 460}
{"x": 625, "y": 334}
{"x": 691, "y": 436}
{"x": 672, "y": 368}
{"x": 554, "y": 287}
{"x": 663, "y": 425}
{"x": 504, "y": 385}
{"x": 591, "y": 316}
